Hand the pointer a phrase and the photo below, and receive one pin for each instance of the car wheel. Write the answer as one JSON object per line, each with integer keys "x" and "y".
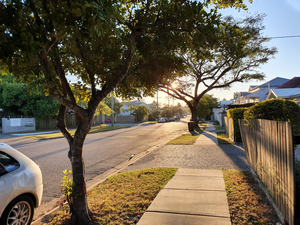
{"x": 19, "y": 211}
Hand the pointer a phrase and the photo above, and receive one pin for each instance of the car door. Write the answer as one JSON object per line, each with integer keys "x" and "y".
{"x": 7, "y": 165}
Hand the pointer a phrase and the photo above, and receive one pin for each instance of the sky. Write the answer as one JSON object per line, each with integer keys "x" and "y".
{"x": 282, "y": 19}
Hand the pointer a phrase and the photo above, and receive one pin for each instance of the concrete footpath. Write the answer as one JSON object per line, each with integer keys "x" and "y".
{"x": 191, "y": 197}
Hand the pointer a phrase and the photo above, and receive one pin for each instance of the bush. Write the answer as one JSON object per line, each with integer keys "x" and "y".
{"x": 216, "y": 123}
{"x": 236, "y": 114}
{"x": 276, "y": 109}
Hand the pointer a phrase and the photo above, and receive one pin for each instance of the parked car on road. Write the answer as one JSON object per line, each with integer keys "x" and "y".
{"x": 171, "y": 119}
{"x": 161, "y": 120}
{"x": 21, "y": 186}
{"x": 107, "y": 121}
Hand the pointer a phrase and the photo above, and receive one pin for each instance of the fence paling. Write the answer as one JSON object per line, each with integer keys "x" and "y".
{"x": 269, "y": 150}
{"x": 228, "y": 122}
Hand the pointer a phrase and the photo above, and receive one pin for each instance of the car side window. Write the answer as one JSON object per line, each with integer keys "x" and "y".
{"x": 9, "y": 163}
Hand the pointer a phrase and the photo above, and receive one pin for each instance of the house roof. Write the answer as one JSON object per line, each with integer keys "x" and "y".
{"x": 253, "y": 95}
{"x": 275, "y": 82}
{"x": 285, "y": 92}
{"x": 292, "y": 83}
{"x": 244, "y": 93}
{"x": 134, "y": 103}
{"x": 224, "y": 103}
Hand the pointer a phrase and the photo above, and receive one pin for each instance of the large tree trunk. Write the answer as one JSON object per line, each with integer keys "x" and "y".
{"x": 193, "y": 108}
{"x": 81, "y": 213}
{"x": 194, "y": 117}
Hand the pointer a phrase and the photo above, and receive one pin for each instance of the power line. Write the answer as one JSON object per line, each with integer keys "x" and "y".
{"x": 295, "y": 36}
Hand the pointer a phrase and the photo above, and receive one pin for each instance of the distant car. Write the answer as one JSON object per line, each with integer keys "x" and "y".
{"x": 161, "y": 120}
{"x": 107, "y": 121}
{"x": 21, "y": 186}
{"x": 171, "y": 119}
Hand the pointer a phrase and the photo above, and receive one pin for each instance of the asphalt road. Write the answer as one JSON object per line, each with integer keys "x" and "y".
{"x": 102, "y": 151}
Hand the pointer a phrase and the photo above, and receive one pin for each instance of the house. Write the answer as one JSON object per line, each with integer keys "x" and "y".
{"x": 259, "y": 93}
{"x": 126, "y": 115}
{"x": 219, "y": 113}
{"x": 289, "y": 90}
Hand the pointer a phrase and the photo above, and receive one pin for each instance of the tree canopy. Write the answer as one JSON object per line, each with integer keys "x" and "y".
{"x": 103, "y": 44}
{"x": 235, "y": 57}
{"x": 205, "y": 106}
{"x": 19, "y": 99}
{"x": 140, "y": 112}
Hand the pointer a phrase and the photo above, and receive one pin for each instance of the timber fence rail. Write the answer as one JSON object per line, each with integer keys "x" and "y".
{"x": 270, "y": 152}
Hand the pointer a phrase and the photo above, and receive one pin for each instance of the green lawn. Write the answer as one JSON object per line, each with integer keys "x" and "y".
{"x": 219, "y": 128}
{"x": 187, "y": 138}
{"x": 223, "y": 139}
{"x": 247, "y": 203}
{"x": 122, "y": 198}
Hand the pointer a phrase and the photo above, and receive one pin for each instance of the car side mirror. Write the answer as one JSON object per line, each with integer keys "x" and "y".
{"x": 2, "y": 170}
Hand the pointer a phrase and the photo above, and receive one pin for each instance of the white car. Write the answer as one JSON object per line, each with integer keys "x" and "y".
{"x": 21, "y": 187}
{"x": 162, "y": 120}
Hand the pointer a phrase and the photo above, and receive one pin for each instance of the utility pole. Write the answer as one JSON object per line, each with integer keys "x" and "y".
{"x": 112, "y": 108}
{"x": 157, "y": 101}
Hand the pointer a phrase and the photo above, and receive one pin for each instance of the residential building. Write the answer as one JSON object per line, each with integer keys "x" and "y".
{"x": 126, "y": 115}
{"x": 289, "y": 90}
{"x": 258, "y": 93}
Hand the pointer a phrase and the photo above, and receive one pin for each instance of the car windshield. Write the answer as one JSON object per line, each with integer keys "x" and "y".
{"x": 8, "y": 162}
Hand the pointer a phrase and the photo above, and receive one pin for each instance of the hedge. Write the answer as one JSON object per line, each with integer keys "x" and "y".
{"x": 276, "y": 109}
{"x": 236, "y": 114}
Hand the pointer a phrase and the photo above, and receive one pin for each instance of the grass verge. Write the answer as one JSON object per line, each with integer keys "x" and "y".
{"x": 247, "y": 202}
{"x": 216, "y": 123}
{"x": 122, "y": 198}
{"x": 219, "y": 128}
{"x": 187, "y": 138}
{"x": 223, "y": 139}
{"x": 59, "y": 134}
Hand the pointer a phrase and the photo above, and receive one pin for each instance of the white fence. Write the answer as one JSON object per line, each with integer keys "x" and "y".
{"x": 17, "y": 125}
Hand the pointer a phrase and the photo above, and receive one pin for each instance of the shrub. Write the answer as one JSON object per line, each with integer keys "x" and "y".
{"x": 276, "y": 109}
{"x": 216, "y": 123}
{"x": 236, "y": 114}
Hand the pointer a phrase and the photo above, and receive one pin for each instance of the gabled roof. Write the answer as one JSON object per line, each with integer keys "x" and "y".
{"x": 292, "y": 83}
{"x": 285, "y": 92}
{"x": 275, "y": 82}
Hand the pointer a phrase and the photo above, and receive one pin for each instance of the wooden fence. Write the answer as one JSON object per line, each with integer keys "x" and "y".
{"x": 270, "y": 152}
{"x": 50, "y": 122}
{"x": 228, "y": 123}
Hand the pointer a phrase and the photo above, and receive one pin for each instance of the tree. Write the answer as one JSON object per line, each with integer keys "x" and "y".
{"x": 234, "y": 58}
{"x": 236, "y": 94}
{"x": 205, "y": 106}
{"x": 117, "y": 106}
{"x": 102, "y": 108}
{"x": 167, "y": 113}
{"x": 155, "y": 114}
{"x": 19, "y": 99}
{"x": 140, "y": 112}
{"x": 104, "y": 44}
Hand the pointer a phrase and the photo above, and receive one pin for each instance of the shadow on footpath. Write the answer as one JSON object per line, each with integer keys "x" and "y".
{"x": 234, "y": 152}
